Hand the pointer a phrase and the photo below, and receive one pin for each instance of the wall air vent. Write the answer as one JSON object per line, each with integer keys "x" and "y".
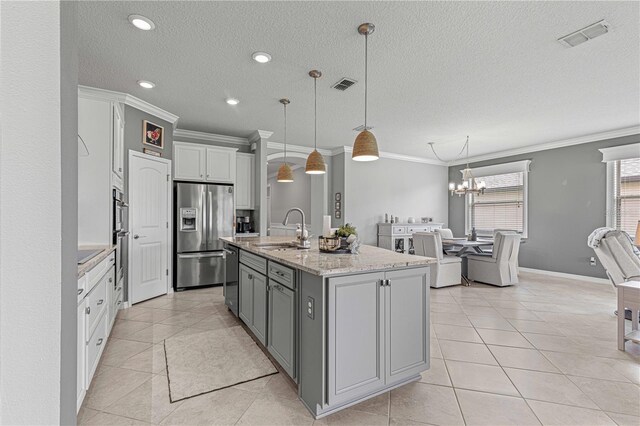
{"x": 344, "y": 84}
{"x": 585, "y": 34}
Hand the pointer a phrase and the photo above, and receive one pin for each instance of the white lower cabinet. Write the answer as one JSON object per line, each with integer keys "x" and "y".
{"x": 81, "y": 389}
{"x": 98, "y": 306}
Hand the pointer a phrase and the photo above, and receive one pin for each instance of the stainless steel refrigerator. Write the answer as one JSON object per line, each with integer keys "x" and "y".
{"x": 203, "y": 213}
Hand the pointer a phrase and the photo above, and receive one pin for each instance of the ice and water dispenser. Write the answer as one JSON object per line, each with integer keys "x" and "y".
{"x": 188, "y": 219}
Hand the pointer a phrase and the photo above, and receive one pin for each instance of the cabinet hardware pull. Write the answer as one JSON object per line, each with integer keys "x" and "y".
{"x": 119, "y": 302}
{"x": 99, "y": 342}
{"x": 381, "y": 283}
{"x": 119, "y": 288}
{"x": 80, "y": 290}
{"x": 100, "y": 302}
{"x": 88, "y": 310}
{"x": 110, "y": 280}
{"x": 250, "y": 276}
{"x": 389, "y": 283}
{"x": 120, "y": 169}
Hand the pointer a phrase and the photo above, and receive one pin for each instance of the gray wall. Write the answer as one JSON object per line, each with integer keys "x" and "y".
{"x": 287, "y": 195}
{"x": 69, "y": 163}
{"x": 337, "y": 172}
{"x": 133, "y": 119}
{"x": 402, "y": 188}
{"x": 567, "y": 201}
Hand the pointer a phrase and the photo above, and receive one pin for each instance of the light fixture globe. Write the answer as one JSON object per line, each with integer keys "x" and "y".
{"x": 315, "y": 164}
{"x": 284, "y": 173}
{"x": 365, "y": 148}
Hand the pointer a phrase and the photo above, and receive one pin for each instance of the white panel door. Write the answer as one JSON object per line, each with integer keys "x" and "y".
{"x": 118, "y": 141}
{"x": 189, "y": 160}
{"x": 221, "y": 165}
{"x": 149, "y": 227}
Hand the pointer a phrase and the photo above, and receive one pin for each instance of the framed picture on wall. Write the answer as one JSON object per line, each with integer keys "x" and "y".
{"x": 151, "y": 152}
{"x": 152, "y": 134}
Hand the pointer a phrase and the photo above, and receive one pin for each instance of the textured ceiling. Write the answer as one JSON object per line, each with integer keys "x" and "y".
{"x": 438, "y": 70}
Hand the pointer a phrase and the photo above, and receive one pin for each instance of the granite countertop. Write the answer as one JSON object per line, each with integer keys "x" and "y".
{"x": 325, "y": 264}
{"x": 90, "y": 264}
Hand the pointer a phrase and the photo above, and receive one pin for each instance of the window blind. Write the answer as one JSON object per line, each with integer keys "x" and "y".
{"x": 501, "y": 206}
{"x": 627, "y": 194}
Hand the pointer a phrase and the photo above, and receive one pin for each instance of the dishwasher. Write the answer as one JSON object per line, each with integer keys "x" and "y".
{"x": 231, "y": 284}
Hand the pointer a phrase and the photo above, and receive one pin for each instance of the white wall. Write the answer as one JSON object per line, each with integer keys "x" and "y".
{"x": 401, "y": 188}
{"x": 287, "y": 195}
{"x": 31, "y": 222}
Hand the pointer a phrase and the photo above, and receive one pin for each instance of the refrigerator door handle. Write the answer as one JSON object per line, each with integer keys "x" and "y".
{"x": 200, "y": 255}
{"x": 210, "y": 212}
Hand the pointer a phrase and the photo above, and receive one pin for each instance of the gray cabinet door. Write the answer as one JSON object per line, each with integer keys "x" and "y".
{"x": 355, "y": 339}
{"x": 407, "y": 323}
{"x": 282, "y": 326}
{"x": 260, "y": 307}
{"x": 246, "y": 295}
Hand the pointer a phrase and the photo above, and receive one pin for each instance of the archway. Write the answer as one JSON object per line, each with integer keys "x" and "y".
{"x": 319, "y": 189}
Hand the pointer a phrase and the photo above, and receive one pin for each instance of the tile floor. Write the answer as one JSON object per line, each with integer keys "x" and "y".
{"x": 541, "y": 352}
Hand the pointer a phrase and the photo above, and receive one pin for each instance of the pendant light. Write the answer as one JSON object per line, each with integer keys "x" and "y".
{"x": 469, "y": 185}
{"x": 315, "y": 162}
{"x": 365, "y": 148}
{"x": 284, "y": 172}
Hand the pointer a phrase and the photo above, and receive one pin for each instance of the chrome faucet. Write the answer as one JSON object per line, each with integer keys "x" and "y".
{"x": 304, "y": 242}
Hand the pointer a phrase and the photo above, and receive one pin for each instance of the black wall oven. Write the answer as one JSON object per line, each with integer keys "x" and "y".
{"x": 119, "y": 234}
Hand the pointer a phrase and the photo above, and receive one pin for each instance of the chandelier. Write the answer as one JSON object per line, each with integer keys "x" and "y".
{"x": 469, "y": 185}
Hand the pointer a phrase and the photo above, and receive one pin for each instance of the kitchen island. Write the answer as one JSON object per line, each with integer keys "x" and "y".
{"x": 345, "y": 327}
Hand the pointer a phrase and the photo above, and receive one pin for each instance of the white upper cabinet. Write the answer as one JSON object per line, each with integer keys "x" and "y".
{"x": 189, "y": 161}
{"x": 221, "y": 165}
{"x": 245, "y": 182}
{"x": 118, "y": 145}
{"x": 204, "y": 163}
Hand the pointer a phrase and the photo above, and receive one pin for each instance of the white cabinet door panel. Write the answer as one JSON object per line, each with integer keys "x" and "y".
{"x": 221, "y": 165}
{"x": 189, "y": 162}
{"x": 245, "y": 181}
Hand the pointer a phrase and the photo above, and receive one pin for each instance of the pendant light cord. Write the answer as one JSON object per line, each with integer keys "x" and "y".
{"x": 285, "y": 133}
{"x": 315, "y": 113}
{"x": 366, "y": 61}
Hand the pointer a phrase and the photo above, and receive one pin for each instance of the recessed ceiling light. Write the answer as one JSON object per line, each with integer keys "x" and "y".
{"x": 232, "y": 101}
{"x": 261, "y": 57}
{"x": 141, "y": 22}
{"x": 146, "y": 84}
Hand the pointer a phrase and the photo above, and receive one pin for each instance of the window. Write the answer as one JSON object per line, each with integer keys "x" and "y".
{"x": 623, "y": 186}
{"x": 504, "y": 202}
{"x": 501, "y": 206}
{"x": 626, "y": 194}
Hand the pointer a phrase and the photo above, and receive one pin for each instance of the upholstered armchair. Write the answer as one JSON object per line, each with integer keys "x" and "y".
{"x": 446, "y": 272}
{"x": 501, "y": 268}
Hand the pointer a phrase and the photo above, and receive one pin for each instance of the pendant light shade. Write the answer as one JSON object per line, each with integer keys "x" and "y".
{"x": 315, "y": 162}
{"x": 365, "y": 147}
{"x": 284, "y": 172}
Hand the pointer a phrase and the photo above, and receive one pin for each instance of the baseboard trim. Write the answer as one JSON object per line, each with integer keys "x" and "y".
{"x": 570, "y": 276}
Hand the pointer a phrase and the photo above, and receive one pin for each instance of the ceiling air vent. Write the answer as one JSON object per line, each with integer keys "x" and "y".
{"x": 585, "y": 34}
{"x": 344, "y": 84}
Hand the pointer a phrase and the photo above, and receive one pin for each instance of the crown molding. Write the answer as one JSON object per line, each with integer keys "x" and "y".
{"x": 260, "y": 135}
{"x": 297, "y": 148}
{"x": 392, "y": 156}
{"x": 211, "y": 137}
{"x": 595, "y": 137}
{"x": 127, "y": 99}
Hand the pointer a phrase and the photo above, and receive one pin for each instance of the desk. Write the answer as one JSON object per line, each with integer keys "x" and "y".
{"x": 467, "y": 247}
{"x": 629, "y": 298}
